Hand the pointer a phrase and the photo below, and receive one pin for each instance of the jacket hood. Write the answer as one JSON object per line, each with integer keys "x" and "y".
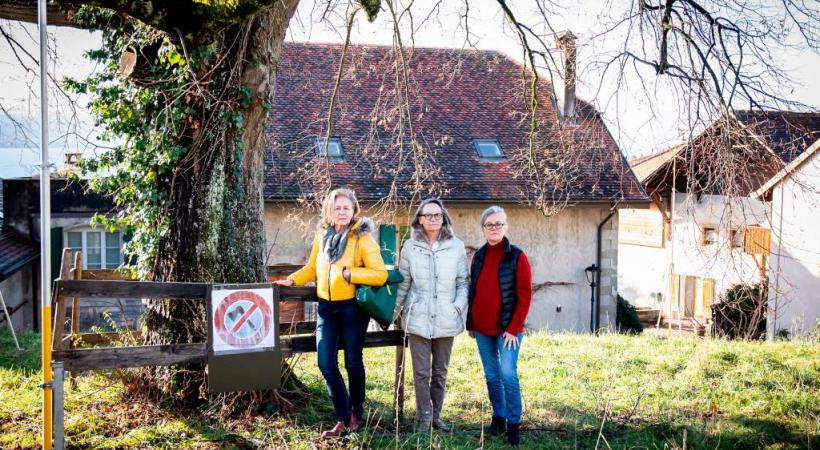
{"x": 362, "y": 226}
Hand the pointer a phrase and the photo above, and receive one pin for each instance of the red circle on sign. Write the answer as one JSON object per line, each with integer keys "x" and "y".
{"x": 243, "y": 319}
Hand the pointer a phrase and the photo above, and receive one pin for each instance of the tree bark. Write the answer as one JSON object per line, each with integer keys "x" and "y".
{"x": 216, "y": 227}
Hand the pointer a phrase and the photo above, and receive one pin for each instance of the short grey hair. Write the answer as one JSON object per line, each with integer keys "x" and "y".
{"x": 493, "y": 210}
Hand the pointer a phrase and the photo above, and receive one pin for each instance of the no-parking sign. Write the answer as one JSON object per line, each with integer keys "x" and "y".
{"x": 242, "y": 320}
{"x": 244, "y": 353}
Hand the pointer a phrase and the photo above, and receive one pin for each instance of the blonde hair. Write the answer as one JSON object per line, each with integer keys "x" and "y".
{"x": 330, "y": 202}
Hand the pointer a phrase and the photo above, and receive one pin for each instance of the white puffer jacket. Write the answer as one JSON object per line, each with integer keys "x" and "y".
{"x": 433, "y": 296}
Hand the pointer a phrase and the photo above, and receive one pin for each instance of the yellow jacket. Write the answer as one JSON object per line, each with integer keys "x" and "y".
{"x": 362, "y": 256}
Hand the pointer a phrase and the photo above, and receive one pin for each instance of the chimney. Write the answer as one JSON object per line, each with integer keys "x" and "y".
{"x": 565, "y": 81}
{"x": 72, "y": 158}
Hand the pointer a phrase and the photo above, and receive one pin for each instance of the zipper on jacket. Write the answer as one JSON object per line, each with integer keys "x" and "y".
{"x": 434, "y": 280}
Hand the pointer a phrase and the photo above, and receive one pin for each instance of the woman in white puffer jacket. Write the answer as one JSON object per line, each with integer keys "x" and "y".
{"x": 433, "y": 302}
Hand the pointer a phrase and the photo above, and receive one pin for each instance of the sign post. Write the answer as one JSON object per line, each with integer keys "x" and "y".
{"x": 243, "y": 339}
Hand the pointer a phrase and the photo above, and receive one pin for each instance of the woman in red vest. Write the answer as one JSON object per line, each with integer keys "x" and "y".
{"x": 499, "y": 300}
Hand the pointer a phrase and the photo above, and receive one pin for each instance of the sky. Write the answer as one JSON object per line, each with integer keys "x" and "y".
{"x": 642, "y": 115}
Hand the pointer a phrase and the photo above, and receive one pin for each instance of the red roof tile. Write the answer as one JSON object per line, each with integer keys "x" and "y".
{"x": 456, "y": 96}
{"x": 787, "y": 133}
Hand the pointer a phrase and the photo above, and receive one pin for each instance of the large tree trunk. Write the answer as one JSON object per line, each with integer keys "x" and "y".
{"x": 216, "y": 231}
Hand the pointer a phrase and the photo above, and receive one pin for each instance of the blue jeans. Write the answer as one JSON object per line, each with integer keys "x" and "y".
{"x": 501, "y": 373}
{"x": 342, "y": 325}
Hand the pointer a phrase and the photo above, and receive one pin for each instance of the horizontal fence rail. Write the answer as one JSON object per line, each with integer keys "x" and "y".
{"x": 171, "y": 354}
{"x": 157, "y": 289}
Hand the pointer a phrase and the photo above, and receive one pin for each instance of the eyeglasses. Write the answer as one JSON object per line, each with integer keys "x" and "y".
{"x": 494, "y": 226}
{"x": 433, "y": 217}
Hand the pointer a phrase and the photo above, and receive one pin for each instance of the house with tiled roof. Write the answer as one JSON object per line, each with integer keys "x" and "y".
{"x": 467, "y": 111}
{"x": 708, "y": 228}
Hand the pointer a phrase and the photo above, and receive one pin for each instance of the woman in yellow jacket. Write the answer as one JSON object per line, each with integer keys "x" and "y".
{"x": 344, "y": 255}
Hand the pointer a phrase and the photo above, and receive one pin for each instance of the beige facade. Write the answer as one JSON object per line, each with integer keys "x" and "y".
{"x": 559, "y": 248}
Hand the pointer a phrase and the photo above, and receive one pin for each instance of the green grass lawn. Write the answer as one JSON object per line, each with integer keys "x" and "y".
{"x": 580, "y": 391}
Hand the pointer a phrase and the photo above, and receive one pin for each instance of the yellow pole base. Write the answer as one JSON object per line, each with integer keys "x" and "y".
{"x": 48, "y": 415}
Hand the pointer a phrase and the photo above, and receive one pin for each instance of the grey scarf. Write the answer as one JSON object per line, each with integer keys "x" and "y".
{"x": 333, "y": 243}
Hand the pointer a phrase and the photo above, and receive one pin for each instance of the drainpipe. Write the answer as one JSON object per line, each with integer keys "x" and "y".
{"x": 600, "y": 270}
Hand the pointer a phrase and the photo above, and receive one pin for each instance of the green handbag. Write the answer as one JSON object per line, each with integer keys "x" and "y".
{"x": 379, "y": 302}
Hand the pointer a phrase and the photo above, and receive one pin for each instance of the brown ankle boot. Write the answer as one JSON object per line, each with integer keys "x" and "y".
{"x": 334, "y": 432}
{"x": 355, "y": 422}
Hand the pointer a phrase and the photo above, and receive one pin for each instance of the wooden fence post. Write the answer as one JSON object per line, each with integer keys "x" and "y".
{"x": 77, "y": 274}
{"x": 398, "y": 382}
{"x": 60, "y": 310}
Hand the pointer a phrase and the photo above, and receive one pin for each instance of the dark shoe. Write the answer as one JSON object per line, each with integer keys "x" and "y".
{"x": 423, "y": 425}
{"x": 355, "y": 422}
{"x": 513, "y": 434}
{"x": 335, "y": 432}
{"x": 441, "y": 426}
{"x": 498, "y": 426}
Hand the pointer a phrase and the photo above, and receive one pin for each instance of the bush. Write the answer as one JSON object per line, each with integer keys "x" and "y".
{"x": 626, "y": 318}
{"x": 741, "y": 311}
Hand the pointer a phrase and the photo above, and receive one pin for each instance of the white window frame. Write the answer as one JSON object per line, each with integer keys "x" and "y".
{"x": 103, "y": 248}
{"x": 334, "y": 141}
{"x": 734, "y": 234}
{"x": 477, "y": 143}
{"x": 703, "y": 233}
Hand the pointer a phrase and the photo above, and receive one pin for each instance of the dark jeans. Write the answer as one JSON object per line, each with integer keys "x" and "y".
{"x": 342, "y": 324}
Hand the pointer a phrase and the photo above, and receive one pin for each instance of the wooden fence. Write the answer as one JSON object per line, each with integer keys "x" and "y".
{"x": 295, "y": 337}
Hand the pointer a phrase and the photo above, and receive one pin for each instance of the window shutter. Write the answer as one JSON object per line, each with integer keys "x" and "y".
{"x": 56, "y": 251}
{"x": 674, "y": 282}
{"x": 708, "y": 295}
{"x": 387, "y": 242}
{"x": 128, "y": 259}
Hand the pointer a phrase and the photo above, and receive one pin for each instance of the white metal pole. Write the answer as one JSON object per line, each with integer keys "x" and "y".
{"x": 45, "y": 230}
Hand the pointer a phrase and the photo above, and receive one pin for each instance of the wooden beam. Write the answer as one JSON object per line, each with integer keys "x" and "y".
{"x": 165, "y": 355}
{"x": 76, "y": 274}
{"x": 398, "y": 380}
{"x": 298, "y": 293}
{"x": 93, "y": 339}
{"x": 26, "y": 11}
{"x": 61, "y": 300}
{"x": 122, "y": 357}
{"x": 286, "y": 328}
{"x": 103, "y": 275}
{"x": 132, "y": 289}
{"x": 307, "y": 344}
{"x": 154, "y": 289}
